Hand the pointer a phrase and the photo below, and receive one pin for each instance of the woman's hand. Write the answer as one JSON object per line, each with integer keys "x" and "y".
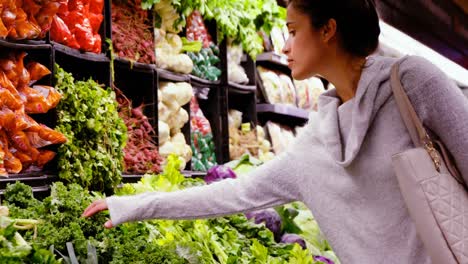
{"x": 96, "y": 207}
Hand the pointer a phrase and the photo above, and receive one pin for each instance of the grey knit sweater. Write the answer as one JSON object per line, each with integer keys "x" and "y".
{"x": 340, "y": 166}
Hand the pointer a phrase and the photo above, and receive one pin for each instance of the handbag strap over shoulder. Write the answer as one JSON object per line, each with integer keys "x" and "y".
{"x": 412, "y": 122}
{"x": 416, "y": 129}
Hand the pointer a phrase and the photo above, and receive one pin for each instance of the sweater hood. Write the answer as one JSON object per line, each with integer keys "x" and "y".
{"x": 370, "y": 97}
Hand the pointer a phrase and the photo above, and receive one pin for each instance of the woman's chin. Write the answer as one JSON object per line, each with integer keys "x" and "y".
{"x": 298, "y": 75}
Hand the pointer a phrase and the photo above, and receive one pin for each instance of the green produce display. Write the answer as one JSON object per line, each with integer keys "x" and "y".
{"x": 221, "y": 240}
{"x": 240, "y": 20}
{"x": 204, "y": 156}
{"x": 205, "y": 63}
{"x": 13, "y": 247}
{"x": 61, "y": 222}
{"x": 201, "y": 139}
{"x": 309, "y": 229}
{"x": 88, "y": 117}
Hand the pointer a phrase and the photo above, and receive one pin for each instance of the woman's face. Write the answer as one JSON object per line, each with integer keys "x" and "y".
{"x": 304, "y": 47}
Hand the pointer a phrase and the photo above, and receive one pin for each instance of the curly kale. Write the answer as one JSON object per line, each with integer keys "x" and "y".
{"x": 20, "y": 195}
{"x": 61, "y": 222}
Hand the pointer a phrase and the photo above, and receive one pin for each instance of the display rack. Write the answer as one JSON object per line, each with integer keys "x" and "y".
{"x": 26, "y": 44}
{"x": 139, "y": 82}
{"x": 172, "y": 76}
{"x": 274, "y": 61}
{"x": 283, "y": 114}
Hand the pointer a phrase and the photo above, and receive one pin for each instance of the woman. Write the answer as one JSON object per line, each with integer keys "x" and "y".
{"x": 340, "y": 166}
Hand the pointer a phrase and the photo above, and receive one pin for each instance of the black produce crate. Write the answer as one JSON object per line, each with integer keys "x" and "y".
{"x": 197, "y": 81}
{"x": 134, "y": 65}
{"x": 139, "y": 84}
{"x": 134, "y": 178}
{"x": 274, "y": 61}
{"x": 83, "y": 66}
{"x": 39, "y": 192}
{"x": 186, "y": 131}
{"x": 167, "y": 76}
{"x": 196, "y": 174}
{"x": 110, "y": 35}
{"x": 130, "y": 178}
{"x": 241, "y": 88}
{"x": 25, "y": 43}
{"x": 43, "y": 54}
{"x": 33, "y": 179}
{"x": 245, "y": 103}
{"x": 40, "y": 53}
{"x": 249, "y": 66}
{"x": 104, "y": 32}
{"x": 282, "y": 114}
{"x": 214, "y": 107}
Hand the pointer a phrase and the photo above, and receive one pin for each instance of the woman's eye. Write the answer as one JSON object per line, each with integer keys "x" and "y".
{"x": 292, "y": 32}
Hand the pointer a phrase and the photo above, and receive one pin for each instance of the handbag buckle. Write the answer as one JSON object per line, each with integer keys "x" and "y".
{"x": 431, "y": 150}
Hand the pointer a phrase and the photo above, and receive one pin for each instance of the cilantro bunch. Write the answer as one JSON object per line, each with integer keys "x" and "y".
{"x": 88, "y": 117}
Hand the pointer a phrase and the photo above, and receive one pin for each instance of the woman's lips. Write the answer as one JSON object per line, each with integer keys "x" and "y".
{"x": 290, "y": 63}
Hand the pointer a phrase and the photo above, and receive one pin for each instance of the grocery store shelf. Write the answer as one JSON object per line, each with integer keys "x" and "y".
{"x": 172, "y": 76}
{"x": 133, "y": 65}
{"x": 26, "y": 44}
{"x": 194, "y": 174}
{"x": 41, "y": 190}
{"x": 202, "y": 82}
{"x": 32, "y": 179}
{"x": 283, "y": 110}
{"x": 132, "y": 178}
{"x": 242, "y": 88}
{"x": 244, "y": 57}
{"x": 273, "y": 60}
{"x": 273, "y": 57}
{"x": 80, "y": 55}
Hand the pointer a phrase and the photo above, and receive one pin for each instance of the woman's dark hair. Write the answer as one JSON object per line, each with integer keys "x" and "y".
{"x": 357, "y": 21}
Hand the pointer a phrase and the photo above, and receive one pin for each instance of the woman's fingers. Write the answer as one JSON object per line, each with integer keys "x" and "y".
{"x": 95, "y": 207}
{"x": 108, "y": 224}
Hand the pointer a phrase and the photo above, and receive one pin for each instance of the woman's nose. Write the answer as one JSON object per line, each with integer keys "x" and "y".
{"x": 287, "y": 49}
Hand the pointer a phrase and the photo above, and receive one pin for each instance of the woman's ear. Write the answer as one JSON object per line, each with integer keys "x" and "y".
{"x": 328, "y": 31}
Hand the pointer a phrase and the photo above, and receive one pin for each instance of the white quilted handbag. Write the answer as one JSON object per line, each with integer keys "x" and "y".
{"x": 433, "y": 189}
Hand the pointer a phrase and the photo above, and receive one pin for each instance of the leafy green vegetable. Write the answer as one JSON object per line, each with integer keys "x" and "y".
{"x": 191, "y": 46}
{"x": 239, "y": 20}
{"x": 244, "y": 165}
{"x": 88, "y": 117}
{"x": 14, "y": 248}
{"x": 20, "y": 194}
{"x": 221, "y": 240}
{"x": 130, "y": 242}
{"x": 226, "y": 240}
{"x": 61, "y": 223}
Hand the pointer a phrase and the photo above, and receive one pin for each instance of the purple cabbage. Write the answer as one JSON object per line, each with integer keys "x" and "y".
{"x": 293, "y": 238}
{"x": 270, "y": 217}
{"x": 218, "y": 173}
{"x": 323, "y": 260}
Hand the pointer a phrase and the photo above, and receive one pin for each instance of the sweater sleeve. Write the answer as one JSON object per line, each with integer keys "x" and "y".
{"x": 270, "y": 185}
{"x": 441, "y": 105}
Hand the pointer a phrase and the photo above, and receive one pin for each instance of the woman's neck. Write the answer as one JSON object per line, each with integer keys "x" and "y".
{"x": 344, "y": 72}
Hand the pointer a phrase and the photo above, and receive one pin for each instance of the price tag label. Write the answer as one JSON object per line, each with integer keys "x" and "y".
{"x": 245, "y": 127}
